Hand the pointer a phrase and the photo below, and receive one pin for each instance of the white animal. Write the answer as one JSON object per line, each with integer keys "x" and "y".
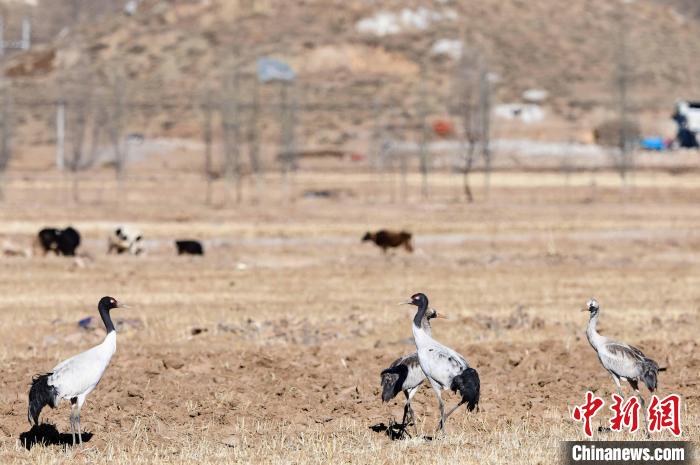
{"x": 75, "y": 378}
{"x": 444, "y": 368}
{"x": 405, "y": 375}
{"x": 125, "y": 239}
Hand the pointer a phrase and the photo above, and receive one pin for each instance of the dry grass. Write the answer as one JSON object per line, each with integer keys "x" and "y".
{"x": 287, "y": 369}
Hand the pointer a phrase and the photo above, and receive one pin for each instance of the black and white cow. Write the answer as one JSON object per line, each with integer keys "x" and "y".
{"x": 59, "y": 241}
{"x": 125, "y": 240}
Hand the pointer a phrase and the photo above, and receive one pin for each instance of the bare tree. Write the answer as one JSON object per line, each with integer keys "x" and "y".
{"x": 5, "y": 133}
{"x": 626, "y": 125}
{"x": 77, "y": 108}
{"x": 424, "y": 156}
{"x": 207, "y": 132}
{"x": 253, "y": 138}
{"x": 116, "y": 111}
{"x": 485, "y": 117}
{"x": 231, "y": 130}
{"x": 471, "y": 104}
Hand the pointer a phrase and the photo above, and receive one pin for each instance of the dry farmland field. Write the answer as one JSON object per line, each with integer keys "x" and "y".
{"x": 268, "y": 349}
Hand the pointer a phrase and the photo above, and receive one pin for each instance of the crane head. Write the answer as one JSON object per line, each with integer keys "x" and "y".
{"x": 108, "y": 303}
{"x": 591, "y": 306}
{"x": 432, "y": 313}
{"x": 419, "y": 300}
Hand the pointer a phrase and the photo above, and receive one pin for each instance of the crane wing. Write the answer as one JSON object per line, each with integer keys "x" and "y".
{"x": 442, "y": 364}
{"x": 621, "y": 359}
{"x": 625, "y": 350}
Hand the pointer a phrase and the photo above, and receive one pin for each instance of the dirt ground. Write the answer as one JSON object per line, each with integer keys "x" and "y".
{"x": 268, "y": 349}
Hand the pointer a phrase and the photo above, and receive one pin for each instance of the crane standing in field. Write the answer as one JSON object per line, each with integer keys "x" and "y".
{"x": 443, "y": 367}
{"x": 405, "y": 375}
{"x": 620, "y": 359}
{"x": 76, "y": 377}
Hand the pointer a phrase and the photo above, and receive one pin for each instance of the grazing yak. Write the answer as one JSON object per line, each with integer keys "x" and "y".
{"x": 390, "y": 239}
{"x": 59, "y": 241}
{"x": 125, "y": 240}
{"x": 189, "y": 247}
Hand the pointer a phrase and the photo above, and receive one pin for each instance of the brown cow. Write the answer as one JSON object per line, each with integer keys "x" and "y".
{"x": 390, "y": 239}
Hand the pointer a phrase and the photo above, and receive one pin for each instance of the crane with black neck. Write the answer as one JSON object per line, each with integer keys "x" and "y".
{"x": 443, "y": 367}
{"x": 73, "y": 379}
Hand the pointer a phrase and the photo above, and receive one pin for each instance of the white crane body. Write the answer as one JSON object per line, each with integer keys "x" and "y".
{"x": 76, "y": 377}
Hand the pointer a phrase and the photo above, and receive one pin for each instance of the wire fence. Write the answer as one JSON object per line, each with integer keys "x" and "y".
{"x": 242, "y": 131}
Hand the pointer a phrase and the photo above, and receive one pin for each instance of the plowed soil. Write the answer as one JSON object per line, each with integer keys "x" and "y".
{"x": 268, "y": 349}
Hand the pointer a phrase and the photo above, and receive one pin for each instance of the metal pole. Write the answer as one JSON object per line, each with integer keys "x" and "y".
{"x": 2, "y": 37}
{"x": 422, "y": 115}
{"x": 207, "y": 146}
{"x": 60, "y": 135}
{"x": 26, "y": 33}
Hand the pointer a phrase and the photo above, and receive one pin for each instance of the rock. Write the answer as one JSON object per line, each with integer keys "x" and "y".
{"x": 174, "y": 363}
{"x": 134, "y": 393}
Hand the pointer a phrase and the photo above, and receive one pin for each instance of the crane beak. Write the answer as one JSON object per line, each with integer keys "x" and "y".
{"x": 442, "y": 316}
{"x": 584, "y": 310}
{"x": 122, "y": 305}
{"x": 408, "y": 302}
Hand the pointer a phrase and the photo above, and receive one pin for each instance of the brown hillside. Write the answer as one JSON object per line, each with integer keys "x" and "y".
{"x": 568, "y": 48}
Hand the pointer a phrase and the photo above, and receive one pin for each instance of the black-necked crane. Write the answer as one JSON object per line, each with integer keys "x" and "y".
{"x": 76, "y": 377}
{"x": 443, "y": 367}
{"x": 405, "y": 375}
{"x": 620, "y": 359}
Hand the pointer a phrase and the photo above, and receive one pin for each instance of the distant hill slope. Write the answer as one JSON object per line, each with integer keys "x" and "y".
{"x": 568, "y": 47}
{"x": 690, "y": 8}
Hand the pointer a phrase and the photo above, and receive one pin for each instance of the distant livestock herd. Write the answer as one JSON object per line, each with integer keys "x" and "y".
{"x": 123, "y": 240}
{"x": 128, "y": 240}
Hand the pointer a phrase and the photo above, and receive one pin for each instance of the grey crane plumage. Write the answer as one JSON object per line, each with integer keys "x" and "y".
{"x": 405, "y": 375}
{"x": 76, "y": 377}
{"x": 443, "y": 367}
{"x": 621, "y": 360}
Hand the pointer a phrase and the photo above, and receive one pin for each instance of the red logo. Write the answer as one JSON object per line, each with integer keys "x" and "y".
{"x": 586, "y": 411}
{"x": 665, "y": 414}
{"x": 662, "y": 413}
{"x": 626, "y": 415}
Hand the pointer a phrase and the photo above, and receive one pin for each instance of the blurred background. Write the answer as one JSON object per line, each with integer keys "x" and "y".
{"x": 510, "y": 158}
{"x": 240, "y": 98}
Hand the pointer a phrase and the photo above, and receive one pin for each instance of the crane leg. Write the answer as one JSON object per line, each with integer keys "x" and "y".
{"x": 409, "y": 397}
{"x": 438, "y": 394}
{"x": 617, "y": 383}
{"x": 72, "y": 420}
{"x": 453, "y": 409}
{"x": 80, "y": 432}
{"x": 644, "y": 412}
{"x": 407, "y": 416}
{"x": 406, "y": 408}
{"x": 635, "y": 386}
{"x": 413, "y": 419}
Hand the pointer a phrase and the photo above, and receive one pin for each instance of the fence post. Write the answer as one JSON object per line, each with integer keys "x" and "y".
{"x": 26, "y": 34}
{"x": 423, "y": 116}
{"x": 60, "y": 135}
{"x": 207, "y": 147}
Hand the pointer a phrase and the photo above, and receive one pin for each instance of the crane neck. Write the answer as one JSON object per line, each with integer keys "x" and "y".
{"x": 420, "y": 320}
{"x": 106, "y": 319}
{"x": 592, "y": 330}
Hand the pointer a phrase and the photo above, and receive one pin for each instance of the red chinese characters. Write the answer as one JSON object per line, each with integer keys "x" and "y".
{"x": 625, "y": 415}
{"x": 586, "y": 411}
{"x": 662, "y": 414}
{"x": 665, "y": 414}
